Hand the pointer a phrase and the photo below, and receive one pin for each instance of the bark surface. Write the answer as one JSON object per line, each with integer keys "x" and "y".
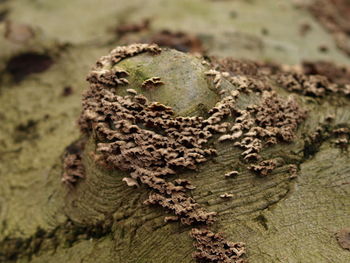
{"x": 280, "y": 219}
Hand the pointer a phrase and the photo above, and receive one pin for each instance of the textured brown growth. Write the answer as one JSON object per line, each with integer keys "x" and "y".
{"x": 122, "y": 52}
{"x": 73, "y": 168}
{"x": 212, "y": 247}
{"x": 342, "y": 137}
{"x": 152, "y": 83}
{"x": 185, "y": 207}
{"x": 332, "y": 79}
{"x": 334, "y": 73}
{"x": 146, "y": 139}
{"x": 178, "y": 40}
{"x": 313, "y": 85}
{"x": 232, "y": 174}
{"x": 274, "y": 119}
{"x": 343, "y": 237}
{"x": 226, "y": 195}
{"x": 279, "y": 117}
{"x": 246, "y": 75}
{"x": 244, "y": 67}
{"x": 334, "y": 16}
{"x": 264, "y": 167}
{"x": 293, "y": 171}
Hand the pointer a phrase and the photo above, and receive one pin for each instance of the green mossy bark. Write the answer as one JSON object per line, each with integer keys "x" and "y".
{"x": 281, "y": 220}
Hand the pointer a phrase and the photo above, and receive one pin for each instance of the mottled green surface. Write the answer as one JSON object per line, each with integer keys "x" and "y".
{"x": 280, "y": 220}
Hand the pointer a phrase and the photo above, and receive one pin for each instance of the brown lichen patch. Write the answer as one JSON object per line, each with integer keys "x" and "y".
{"x": 334, "y": 16}
{"x": 232, "y": 174}
{"x": 212, "y": 247}
{"x": 217, "y": 77}
{"x": 186, "y": 208}
{"x": 226, "y": 196}
{"x": 293, "y": 171}
{"x": 246, "y": 75}
{"x": 168, "y": 219}
{"x": 122, "y": 52}
{"x": 146, "y": 139}
{"x": 178, "y": 40}
{"x": 114, "y": 77}
{"x": 152, "y": 83}
{"x": 73, "y": 168}
{"x": 130, "y": 181}
{"x": 143, "y": 138}
{"x": 264, "y": 168}
{"x": 342, "y": 137}
{"x": 274, "y": 119}
{"x": 343, "y": 238}
{"x": 127, "y": 28}
{"x": 309, "y": 85}
{"x": 22, "y": 65}
{"x": 236, "y": 67}
{"x": 131, "y": 91}
{"x": 334, "y": 73}
{"x": 316, "y": 79}
{"x": 279, "y": 117}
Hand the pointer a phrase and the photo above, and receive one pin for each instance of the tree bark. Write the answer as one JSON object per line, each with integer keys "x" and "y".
{"x": 279, "y": 218}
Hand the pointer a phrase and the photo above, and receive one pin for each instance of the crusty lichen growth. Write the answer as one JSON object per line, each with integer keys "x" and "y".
{"x": 152, "y": 83}
{"x": 73, "y": 168}
{"x": 343, "y": 238}
{"x": 152, "y": 142}
{"x": 213, "y": 247}
{"x": 147, "y": 139}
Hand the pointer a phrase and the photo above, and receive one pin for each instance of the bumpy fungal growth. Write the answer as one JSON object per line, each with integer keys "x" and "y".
{"x": 314, "y": 85}
{"x": 272, "y": 120}
{"x": 146, "y": 139}
{"x": 342, "y": 137}
{"x": 152, "y": 83}
{"x": 293, "y": 171}
{"x": 339, "y": 74}
{"x": 316, "y": 79}
{"x": 213, "y": 247}
{"x": 343, "y": 237}
{"x": 280, "y": 118}
{"x": 73, "y": 168}
{"x": 264, "y": 168}
{"x": 152, "y": 142}
{"x": 226, "y": 195}
{"x": 232, "y": 174}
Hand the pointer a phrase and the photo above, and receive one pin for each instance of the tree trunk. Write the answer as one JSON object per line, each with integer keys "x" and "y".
{"x": 294, "y": 213}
